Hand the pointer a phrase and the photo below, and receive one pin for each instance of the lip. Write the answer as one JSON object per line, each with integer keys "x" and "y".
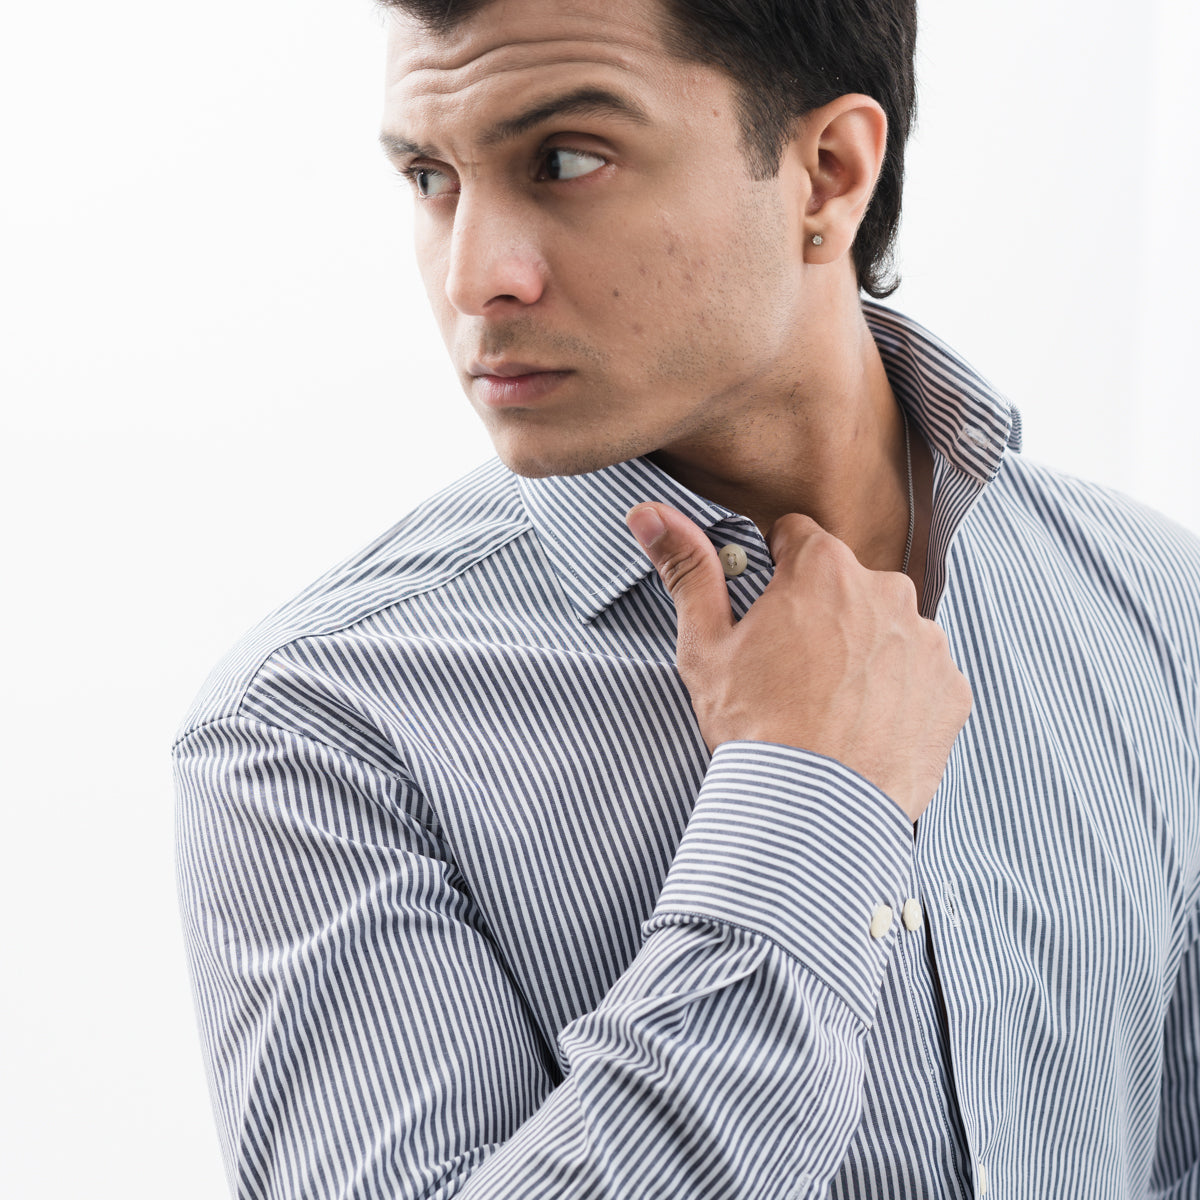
{"x": 507, "y": 368}
{"x": 514, "y": 384}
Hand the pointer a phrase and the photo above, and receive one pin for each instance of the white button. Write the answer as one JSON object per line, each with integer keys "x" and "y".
{"x": 911, "y": 915}
{"x": 976, "y": 436}
{"x": 733, "y": 559}
{"x": 881, "y": 921}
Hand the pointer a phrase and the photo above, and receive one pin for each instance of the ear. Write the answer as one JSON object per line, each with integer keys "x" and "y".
{"x": 838, "y": 150}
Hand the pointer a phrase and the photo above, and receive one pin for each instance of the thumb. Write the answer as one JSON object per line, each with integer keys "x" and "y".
{"x": 688, "y": 565}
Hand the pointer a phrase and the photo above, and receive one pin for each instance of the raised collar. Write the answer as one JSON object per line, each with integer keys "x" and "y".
{"x": 580, "y": 519}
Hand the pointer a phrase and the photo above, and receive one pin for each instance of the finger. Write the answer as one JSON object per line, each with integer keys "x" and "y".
{"x": 689, "y": 567}
{"x": 789, "y": 535}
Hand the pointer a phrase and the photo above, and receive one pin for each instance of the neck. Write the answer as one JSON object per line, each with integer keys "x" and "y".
{"x": 830, "y": 446}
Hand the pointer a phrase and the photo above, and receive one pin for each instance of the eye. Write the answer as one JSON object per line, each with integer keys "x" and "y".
{"x": 568, "y": 164}
{"x": 429, "y": 182}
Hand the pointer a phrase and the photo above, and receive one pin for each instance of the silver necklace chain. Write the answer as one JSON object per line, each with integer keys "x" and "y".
{"x": 912, "y": 514}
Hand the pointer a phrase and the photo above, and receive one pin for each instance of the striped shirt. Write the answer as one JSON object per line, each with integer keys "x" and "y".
{"x": 471, "y": 910}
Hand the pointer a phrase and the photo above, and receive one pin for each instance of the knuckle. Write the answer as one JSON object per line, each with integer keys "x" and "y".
{"x": 938, "y": 641}
{"x": 677, "y": 566}
{"x": 902, "y": 590}
{"x": 826, "y": 552}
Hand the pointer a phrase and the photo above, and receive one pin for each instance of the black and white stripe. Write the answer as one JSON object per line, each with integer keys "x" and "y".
{"x": 471, "y": 911}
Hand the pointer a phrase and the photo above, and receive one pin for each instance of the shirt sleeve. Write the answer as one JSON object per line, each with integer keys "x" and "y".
{"x": 364, "y": 1038}
{"x": 1176, "y": 1174}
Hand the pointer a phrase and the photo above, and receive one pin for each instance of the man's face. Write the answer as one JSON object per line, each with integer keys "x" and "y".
{"x": 608, "y": 278}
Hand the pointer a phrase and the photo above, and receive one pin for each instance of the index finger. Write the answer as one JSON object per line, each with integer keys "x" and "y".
{"x": 788, "y": 536}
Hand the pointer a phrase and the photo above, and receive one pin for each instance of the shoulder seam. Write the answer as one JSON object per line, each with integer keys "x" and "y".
{"x": 234, "y": 709}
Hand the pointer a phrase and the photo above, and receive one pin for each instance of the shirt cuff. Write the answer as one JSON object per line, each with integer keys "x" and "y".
{"x": 803, "y": 850}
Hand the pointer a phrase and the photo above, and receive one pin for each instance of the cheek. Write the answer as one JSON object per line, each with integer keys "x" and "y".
{"x": 654, "y": 290}
{"x": 433, "y": 260}
{"x": 433, "y": 276}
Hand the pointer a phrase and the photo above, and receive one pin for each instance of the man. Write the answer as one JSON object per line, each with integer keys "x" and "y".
{"x": 855, "y": 850}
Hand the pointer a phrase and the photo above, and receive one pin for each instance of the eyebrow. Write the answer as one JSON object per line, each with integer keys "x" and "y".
{"x": 582, "y": 102}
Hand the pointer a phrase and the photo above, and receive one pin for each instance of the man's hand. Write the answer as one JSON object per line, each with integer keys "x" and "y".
{"x": 831, "y": 658}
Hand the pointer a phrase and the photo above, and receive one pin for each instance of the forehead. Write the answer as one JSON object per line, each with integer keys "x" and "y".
{"x": 511, "y": 46}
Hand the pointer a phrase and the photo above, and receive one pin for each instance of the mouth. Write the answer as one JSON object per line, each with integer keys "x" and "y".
{"x": 511, "y": 384}
{"x": 507, "y": 368}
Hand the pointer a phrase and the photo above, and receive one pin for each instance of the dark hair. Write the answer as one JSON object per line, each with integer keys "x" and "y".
{"x": 788, "y": 57}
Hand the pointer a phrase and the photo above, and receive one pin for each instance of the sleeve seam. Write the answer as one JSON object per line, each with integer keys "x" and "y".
{"x": 237, "y": 717}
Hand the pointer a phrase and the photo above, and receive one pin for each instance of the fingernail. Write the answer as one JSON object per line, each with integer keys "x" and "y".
{"x": 645, "y": 525}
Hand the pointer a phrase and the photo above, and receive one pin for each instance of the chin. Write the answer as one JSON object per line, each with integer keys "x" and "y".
{"x": 538, "y": 462}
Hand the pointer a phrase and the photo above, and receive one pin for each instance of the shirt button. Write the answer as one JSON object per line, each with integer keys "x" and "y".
{"x": 733, "y": 560}
{"x": 881, "y": 922}
{"x": 911, "y": 915}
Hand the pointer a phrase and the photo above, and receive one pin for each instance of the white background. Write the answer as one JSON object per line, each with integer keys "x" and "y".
{"x": 218, "y": 378}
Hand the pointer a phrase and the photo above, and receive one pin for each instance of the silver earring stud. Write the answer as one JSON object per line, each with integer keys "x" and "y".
{"x": 818, "y": 240}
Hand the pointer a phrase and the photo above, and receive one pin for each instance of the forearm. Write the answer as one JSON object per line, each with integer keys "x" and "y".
{"x": 727, "y": 1060}
{"x": 366, "y": 1041}
{"x": 716, "y": 1067}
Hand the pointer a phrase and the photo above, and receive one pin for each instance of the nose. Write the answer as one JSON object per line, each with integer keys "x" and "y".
{"x": 495, "y": 261}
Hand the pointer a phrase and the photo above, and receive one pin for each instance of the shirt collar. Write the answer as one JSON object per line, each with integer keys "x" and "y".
{"x": 580, "y": 519}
